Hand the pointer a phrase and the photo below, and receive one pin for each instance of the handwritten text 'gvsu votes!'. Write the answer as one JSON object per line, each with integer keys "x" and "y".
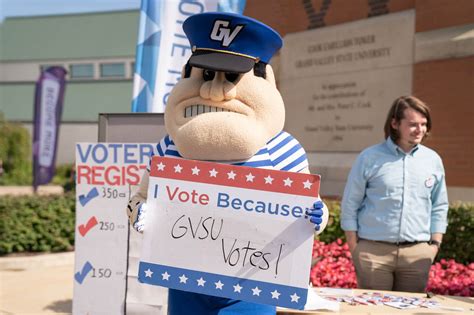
{"x": 235, "y": 252}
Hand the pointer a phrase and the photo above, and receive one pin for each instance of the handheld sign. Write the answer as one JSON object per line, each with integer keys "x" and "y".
{"x": 229, "y": 231}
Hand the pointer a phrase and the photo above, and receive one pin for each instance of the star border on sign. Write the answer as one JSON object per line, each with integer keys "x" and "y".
{"x": 275, "y": 294}
{"x": 238, "y": 288}
{"x": 268, "y": 180}
{"x": 213, "y": 173}
{"x": 183, "y": 279}
{"x": 195, "y": 170}
{"x": 165, "y": 276}
{"x": 249, "y": 177}
{"x": 178, "y": 168}
{"x": 288, "y": 182}
{"x": 161, "y": 166}
{"x": 201, "y": 282}
{"x": 307, "y": 184}
{"x": 256, "y": 291}
{"x": 231, "y": 175}
{"x": 294, "y": 297}
{"x": 148, "y": 273}
{"x": 219, "y": 285}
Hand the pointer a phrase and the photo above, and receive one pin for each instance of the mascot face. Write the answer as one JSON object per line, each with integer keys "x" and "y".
{"x": 214, "y": 115}
{"x": 221, "y": 110}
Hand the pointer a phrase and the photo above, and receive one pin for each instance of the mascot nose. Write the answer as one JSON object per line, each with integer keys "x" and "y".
{"x": 218, "y": 89}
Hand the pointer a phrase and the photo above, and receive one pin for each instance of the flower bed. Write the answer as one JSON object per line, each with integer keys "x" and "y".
{"x": 448, "y": 277}
{"x": 332, "y": 267}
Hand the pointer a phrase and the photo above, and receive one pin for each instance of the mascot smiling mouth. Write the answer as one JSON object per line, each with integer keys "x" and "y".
{"x": 195, "y": 110}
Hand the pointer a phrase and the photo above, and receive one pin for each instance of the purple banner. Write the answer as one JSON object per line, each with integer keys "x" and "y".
{"x": 48, "y": 106}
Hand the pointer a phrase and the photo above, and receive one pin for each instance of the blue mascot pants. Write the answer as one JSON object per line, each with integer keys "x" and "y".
{"x": 182, "y": 303}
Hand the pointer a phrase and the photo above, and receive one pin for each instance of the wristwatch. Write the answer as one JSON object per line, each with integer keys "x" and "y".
{"x": 433, "y": 242}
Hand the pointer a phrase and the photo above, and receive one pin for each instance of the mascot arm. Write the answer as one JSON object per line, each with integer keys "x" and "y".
{"x": 319, "y": 214}
{"x": 136, "y": 208}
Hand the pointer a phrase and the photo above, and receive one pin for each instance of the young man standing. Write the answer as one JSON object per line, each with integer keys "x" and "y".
{"x": 395, "y": 204}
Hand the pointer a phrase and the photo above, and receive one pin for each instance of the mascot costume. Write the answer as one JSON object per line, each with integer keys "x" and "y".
{"x": 226, "y": 108}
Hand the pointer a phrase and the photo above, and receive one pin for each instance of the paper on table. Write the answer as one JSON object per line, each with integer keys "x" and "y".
{"x": 315, "y": 302}
{"x": 400, "y": 305}
{"x": 324, "y": 291}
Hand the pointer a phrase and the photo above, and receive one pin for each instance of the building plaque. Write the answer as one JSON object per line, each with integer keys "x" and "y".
{"x": 338, "y": 82}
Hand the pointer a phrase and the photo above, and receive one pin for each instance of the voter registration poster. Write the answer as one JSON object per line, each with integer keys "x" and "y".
{"x": 105, "y": 176}
{"x": 229, "y": 231}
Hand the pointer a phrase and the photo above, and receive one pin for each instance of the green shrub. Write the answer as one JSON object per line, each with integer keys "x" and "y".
{"x": 15, "y": 154}
{"x": 37, "y": 223}
{"x": 47, "y": 223}
{"x": 457, "y": 242}
{"x": 64, "y": 176}
{"x": 333, "y": 230}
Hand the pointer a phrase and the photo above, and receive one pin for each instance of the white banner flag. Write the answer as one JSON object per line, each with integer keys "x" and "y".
{"x": 163, "y": 48}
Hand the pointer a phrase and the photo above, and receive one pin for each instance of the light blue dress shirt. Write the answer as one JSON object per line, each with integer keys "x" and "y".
{"x": 395, "y": 196}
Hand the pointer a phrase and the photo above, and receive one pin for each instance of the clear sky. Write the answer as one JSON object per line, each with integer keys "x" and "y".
{"x": 12, "y": 8}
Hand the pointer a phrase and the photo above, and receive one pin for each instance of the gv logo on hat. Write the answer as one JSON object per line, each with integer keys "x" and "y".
{"x": 221, "y": 32}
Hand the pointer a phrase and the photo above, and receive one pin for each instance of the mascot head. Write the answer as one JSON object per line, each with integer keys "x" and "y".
{"x": 226, "y": 105}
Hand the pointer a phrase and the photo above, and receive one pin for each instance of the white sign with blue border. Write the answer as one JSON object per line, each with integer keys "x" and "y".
{"x": 229, "y": 231}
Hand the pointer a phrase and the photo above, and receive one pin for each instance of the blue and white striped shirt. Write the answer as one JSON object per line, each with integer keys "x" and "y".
{"x": 283, "y": 152}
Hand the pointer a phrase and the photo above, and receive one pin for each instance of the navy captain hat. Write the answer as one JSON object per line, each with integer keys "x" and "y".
{"x": 229, "y": 42}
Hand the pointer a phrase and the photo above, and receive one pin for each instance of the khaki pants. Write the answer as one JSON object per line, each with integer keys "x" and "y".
{"x": 383, "y": 266}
